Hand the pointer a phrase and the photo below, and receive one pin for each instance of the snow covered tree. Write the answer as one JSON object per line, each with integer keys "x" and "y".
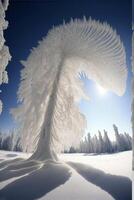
{"x": 90, "y": 145}
{"x": 14, "y": 144}
{"x": 101, "y": 143}
{"x": 82, "y": 147}
{"x": 51, "y": 87}
{"x": 10, "y": 141}
{"x": 4, "y": 51}
{"x": 95, "y": 144}
{"x": 17, "y": 145}
{"x": 86, "y": 144}
{"x": 128, "y": 140}
{"x": 107, "y": 143}
{"x": 123, "y": 141}
{"x": 6, "y": 142}
{"x": 118, "y": 139}
{"x": 72, "y": 150}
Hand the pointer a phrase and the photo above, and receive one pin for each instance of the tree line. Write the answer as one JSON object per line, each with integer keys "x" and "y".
{"x": 95, "y": 144}
{"x": 102, "y": 144}
{"x": 10, "y": 141}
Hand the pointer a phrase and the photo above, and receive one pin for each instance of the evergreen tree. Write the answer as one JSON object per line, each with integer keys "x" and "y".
{"x": 95, "y": 144}
{"x": 90, "y": 145}
{"x": 107, "y": 143}
{"x": 101, "y": 144}
{"x": 128, "y": 140}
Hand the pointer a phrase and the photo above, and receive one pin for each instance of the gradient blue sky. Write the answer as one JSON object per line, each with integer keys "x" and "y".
{"x": 29, "y": 21}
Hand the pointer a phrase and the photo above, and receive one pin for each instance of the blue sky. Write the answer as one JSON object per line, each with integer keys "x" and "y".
{"x": 29, "y": 21}
{"x": 102, "y": 111}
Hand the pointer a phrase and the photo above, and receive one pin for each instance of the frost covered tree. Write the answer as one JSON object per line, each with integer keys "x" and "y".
{"x": 86, "y": 144}
{"x": 101, "y": 143}
{"x": 128, "y": 140}
{"x": 119, "y": 142}
{"x": 123, "y": 141}
{"x": 95, "y": 144}
{"x": 4, "y": 51}
{"x": 6, "y": 142}
{"x": 14, "y": 140}
{"x": 107, "y": 143}
{"x": 104, "y": 144}
{"x": 82, "y": 147}
{"x": 51, "y": 87}
{"x": 90, "y": 145}
{"x": 17, "y": 146}
{"x": 10, "y": 141}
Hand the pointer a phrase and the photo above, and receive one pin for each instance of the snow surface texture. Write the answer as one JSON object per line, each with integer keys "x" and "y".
{"x": 4, "y": 51}
{"x": 51, "y": 86}
{"x": 76, "y": 177}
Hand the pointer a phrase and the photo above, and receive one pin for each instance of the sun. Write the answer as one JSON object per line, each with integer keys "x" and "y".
{"x": 102, "y": 91}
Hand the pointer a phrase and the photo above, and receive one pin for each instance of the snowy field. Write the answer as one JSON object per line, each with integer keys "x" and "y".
{"x": 75, "y": 177}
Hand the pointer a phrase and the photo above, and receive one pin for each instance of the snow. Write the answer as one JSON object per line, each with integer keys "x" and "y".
{"x": 74, "y": 177}
{"x": 106, "y": 162}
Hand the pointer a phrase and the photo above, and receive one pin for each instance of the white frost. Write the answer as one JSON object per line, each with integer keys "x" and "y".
{"x": 4, "y": 51}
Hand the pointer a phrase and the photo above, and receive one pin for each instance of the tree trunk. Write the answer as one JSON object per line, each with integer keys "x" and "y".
{"x": 43, "y": 150}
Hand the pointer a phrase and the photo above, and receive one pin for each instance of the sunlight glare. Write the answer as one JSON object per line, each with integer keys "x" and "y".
{"x": 101, "y": 90}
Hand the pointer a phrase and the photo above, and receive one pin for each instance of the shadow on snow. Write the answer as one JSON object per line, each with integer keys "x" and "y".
{"x": 117, "y": 186}
{"x": 11, "y": 155}
{"x": 38, "y": 179}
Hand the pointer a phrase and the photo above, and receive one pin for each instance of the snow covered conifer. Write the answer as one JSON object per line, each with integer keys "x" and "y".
{"x": 121, "y": 140}
{"x": 95, "y": 144}
{"x": 101, "y": 143}
{"x": 118, "y": 138}
{"x": 107, "y": 142}
{"x": 128, "y": 140}
{"x": 90, "y": 145}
